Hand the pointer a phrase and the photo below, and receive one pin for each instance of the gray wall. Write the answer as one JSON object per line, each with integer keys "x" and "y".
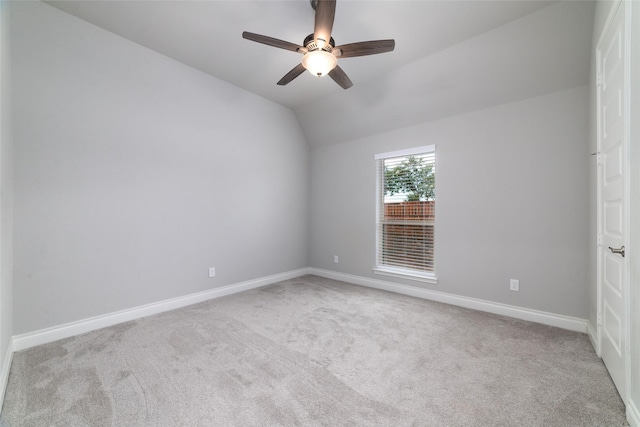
{"x": 135, "y": 173}
{"x": 6, "y": 189}
{"x": 511, "y": 186}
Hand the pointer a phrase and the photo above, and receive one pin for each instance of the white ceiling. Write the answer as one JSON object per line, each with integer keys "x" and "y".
{"x": 450, "y": 56}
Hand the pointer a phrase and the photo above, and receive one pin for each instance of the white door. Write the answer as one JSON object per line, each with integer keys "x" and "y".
{"x": 612, "y": 226}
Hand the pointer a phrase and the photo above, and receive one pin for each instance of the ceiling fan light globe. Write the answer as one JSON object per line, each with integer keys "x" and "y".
{"x": 319, "y": 62}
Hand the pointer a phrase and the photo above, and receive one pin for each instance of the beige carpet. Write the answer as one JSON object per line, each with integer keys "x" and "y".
{"x": 310, "y": 352}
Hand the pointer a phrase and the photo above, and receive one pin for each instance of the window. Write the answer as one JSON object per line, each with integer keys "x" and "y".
{"x": 406, "y": 214}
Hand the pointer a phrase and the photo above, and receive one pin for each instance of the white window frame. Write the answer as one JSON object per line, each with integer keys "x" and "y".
{"x": 398, "y": 272}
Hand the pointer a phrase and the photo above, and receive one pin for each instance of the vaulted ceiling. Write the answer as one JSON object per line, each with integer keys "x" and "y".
{"x": 450, "y": 57}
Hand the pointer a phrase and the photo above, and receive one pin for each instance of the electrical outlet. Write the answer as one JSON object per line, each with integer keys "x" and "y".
{"x": 514, "y": 285}
{"x": 336, "y": 259}
{"x": 212, "y": 271}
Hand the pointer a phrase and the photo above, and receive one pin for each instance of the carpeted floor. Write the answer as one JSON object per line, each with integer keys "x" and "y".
{"x": 310, "y": 352}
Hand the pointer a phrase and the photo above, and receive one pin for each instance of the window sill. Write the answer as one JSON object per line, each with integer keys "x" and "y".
{"x": 407, "y": 274}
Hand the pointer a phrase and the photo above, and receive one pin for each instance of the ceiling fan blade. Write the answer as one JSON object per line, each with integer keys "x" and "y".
{"x": 372, "y": 47}
{"x": 272, "y": 42}
{"x": 339, "y": 76}
{"x": 295, "y": 72}
{"x": 325, "y": 13}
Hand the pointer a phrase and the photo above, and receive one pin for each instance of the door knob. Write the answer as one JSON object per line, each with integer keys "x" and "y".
{"x": 617, "y": 251}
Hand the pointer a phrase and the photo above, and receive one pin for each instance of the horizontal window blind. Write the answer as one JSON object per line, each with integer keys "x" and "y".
{"x": 406, "y": 210}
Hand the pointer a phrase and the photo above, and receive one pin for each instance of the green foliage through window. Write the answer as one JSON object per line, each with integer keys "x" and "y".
{"x": 413, "y": 177}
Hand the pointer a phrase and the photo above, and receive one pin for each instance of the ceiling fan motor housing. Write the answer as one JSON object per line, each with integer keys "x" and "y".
{"x": 311, "y": 45}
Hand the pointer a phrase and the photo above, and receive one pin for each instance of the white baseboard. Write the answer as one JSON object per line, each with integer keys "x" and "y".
{"x": 593, "y": 337}
{"x": 44, "y": 336}
{"x": 633, "y": 414}
{"x": 4, "y": 373}
{"x": 551, "y": 319}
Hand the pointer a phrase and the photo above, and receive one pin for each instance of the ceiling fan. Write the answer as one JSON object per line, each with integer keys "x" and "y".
{"x": 320, "y": 54}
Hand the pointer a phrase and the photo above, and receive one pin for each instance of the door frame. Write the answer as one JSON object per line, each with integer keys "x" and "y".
{"x": 621, "y": 6}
